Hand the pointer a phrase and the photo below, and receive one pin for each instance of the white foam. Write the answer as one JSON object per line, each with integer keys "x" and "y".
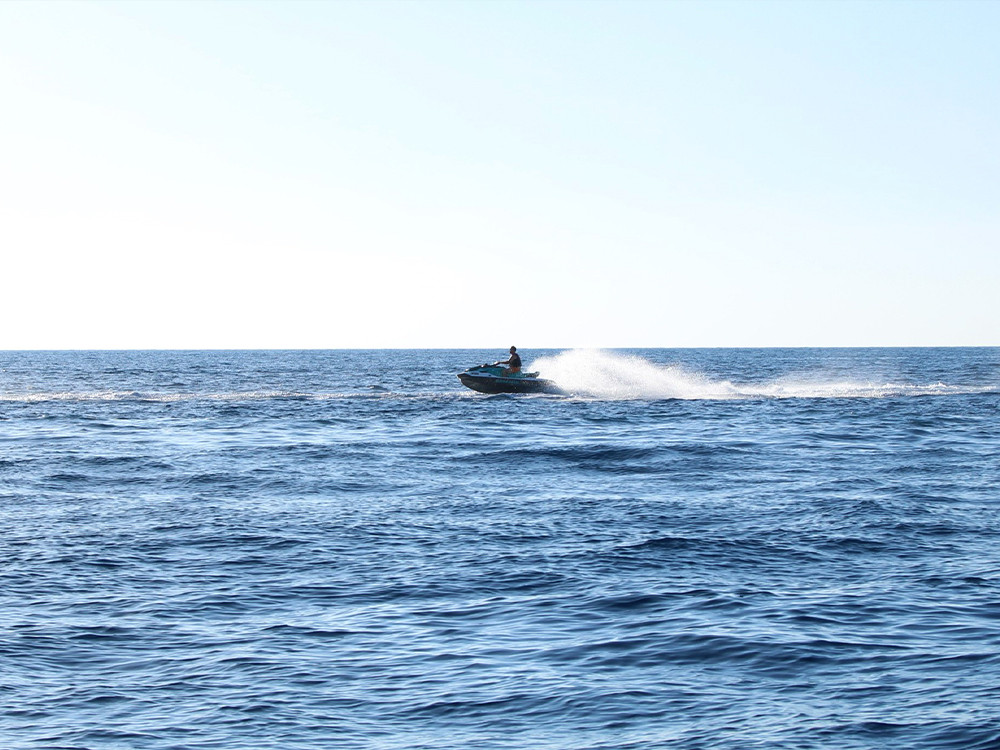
{"x": 86, "y": 396}
{"x": 38, "y": 396}
{"x": 615, "y": 376}
{"x": 605, "y": 375}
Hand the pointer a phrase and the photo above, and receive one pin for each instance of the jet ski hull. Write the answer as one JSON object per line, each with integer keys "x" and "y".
{"x": 489, "y": 379}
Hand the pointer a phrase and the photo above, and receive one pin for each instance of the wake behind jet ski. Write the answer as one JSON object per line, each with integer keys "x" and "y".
{"x": 496, "y": 378}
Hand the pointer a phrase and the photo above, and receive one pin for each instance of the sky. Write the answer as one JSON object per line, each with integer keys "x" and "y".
{"x": 481, "y": 174}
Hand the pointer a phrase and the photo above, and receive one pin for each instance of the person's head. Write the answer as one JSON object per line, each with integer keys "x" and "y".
{"x": 513, "y": 349}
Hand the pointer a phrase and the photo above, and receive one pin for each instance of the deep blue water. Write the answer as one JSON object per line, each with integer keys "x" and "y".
{"x": 345, "y": 549}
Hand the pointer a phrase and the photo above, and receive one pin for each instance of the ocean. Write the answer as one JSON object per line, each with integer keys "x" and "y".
{"x": 711, "y": 549}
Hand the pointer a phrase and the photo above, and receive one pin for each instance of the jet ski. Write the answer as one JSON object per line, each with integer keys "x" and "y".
{"x": 496, "y": 379}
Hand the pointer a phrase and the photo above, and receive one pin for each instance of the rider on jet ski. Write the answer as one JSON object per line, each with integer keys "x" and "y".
{"x": 514, "y": 363}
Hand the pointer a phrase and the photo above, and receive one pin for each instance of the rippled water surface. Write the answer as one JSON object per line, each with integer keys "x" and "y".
{"x": 689, "y": 549}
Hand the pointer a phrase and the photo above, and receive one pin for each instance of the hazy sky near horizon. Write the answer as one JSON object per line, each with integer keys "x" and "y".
{"x": 452, "y": 174}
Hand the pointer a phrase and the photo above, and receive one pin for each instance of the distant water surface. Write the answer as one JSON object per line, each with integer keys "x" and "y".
{"x": 719, "y": 548}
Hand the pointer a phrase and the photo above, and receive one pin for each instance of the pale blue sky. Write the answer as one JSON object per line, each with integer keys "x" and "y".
{"x": 578, "y": 174}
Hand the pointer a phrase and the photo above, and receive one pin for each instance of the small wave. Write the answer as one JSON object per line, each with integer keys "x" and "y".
{"x": 604, "y": 375}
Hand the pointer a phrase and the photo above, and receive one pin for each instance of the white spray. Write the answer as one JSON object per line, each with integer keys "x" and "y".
{"x": 609, "y": 376}
{"x": 614, "y": 376}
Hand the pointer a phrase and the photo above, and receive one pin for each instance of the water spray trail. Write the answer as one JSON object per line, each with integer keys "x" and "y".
{"x": 609, "y": 376}
{"x": 614, "y": 376}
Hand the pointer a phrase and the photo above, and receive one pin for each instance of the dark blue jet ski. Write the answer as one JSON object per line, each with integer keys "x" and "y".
{"x": 496, "y": 379}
